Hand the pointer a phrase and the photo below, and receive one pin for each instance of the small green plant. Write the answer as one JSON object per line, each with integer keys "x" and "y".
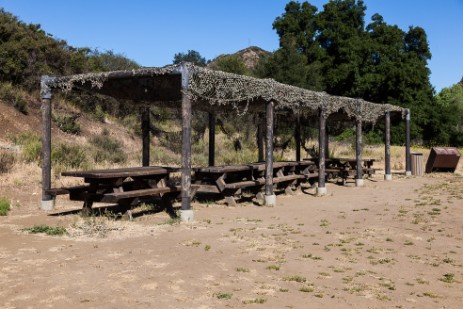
{"x": 255, "y": 301}
{"x": 223, "y": 295}
{"x": 242, "y": 269}
{"x": 49, "y": 230}
{"x": 4, "y": 206}
{"x": 273, "y": 267}
{"x": 307, "y": 289}
{"x": 448, "y": 278}
{"x": 295, "y": 278}
{"x": 66, "y": 123}
{"x": 207, "y": 248}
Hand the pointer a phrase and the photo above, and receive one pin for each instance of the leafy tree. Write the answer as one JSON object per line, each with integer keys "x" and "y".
{"x": 191, "y": 56}
{"x": 231, "y": 64}
{"x": 111, "y": 61}
{"x": 449, "y": 120}
{"x": 334, "y": 51}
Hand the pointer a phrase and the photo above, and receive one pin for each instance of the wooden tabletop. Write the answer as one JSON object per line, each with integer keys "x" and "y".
{"x": 122, "y": 172}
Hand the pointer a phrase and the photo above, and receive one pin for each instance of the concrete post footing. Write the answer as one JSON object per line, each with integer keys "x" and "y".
{"x": 321, "y": 191}
{"x": 47, "y": 205}
{"x": 187, "y": 216}
{"x": 270, "y": 200}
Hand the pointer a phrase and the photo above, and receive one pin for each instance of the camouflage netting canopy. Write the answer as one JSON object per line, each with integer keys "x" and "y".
{"x": 218, "y": 91}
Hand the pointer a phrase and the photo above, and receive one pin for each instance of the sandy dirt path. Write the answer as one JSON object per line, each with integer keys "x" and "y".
{"x": 391, "y": 244}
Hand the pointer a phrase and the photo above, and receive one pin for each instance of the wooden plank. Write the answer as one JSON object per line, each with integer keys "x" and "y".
{"x": 358, "y": 149}
{"x": 67, "y": 190}
{"x": 121, "y": 172}
{"x": 287, "y": 178}
{"x": 260, "y": 138}
{"x": 145, "y": 131}
{"x": 269, "y": 150}
{"x": 387, "y": 144}
{"x": 186, "y": 140}
{"x": 321, "y": 148}
{"x": 117, "y": 196}
{"x": 46, "y": 146}
{"x": 408, "y": 164}
{"x": 212, "y": 139}
{"x": 245, "y": 184}
{"x": 297, "y": 137}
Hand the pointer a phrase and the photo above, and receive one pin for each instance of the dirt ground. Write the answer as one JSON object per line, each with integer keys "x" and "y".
{"x": 394, "y": 244}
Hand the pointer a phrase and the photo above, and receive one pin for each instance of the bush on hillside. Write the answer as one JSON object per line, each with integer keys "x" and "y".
{"x": 107, "y": 149}
{"x": 66, "y": 123}
{"x": 31, "y": 145}
{"x": 7, "y": 160}
{"x": 4, "y": 206}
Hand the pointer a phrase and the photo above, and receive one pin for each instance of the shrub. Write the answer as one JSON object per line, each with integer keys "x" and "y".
{"x": 14, "y": 96}
{"x": 66, "y": 155}
{"x": 31, "y": 146}
{"x": 107, "y": 149}
{"x": 66, "y": 123}
{"x": 99, "y": 114}
{"x": 4, "y": 206}
{"x": 7, "y": 160}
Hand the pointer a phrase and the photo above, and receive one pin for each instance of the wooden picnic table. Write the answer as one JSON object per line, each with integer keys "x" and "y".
{"x": 346, "y": 167}
{"x": 230, "y": 180}
{"x": 123, "y": 186}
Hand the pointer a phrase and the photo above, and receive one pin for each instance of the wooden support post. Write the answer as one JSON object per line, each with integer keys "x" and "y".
{"x": 145, "y": 131}
{"x": 408, "y": 164}
{"x": 186, "y": 213}
{"x": 358, "y": 153}
{"x": 297, "y": 137}
{"x": 321, "y": 189}
{"x": 387, "y": 147}
{"x": 211, "y": 139}
{"x": 270, "y": 198}
{"x": 260, "y": 137}
{"x": 46, "y": 95}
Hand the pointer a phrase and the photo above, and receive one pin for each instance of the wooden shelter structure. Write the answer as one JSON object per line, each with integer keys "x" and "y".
{"x": 188, "y": 87}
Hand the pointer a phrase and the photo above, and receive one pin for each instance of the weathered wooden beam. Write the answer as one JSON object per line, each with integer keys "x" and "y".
{"x": 358, "y": 153}
{"x": 270, "y": 198}
{"x": 211, "y": 139}
{"x": 46, "y": 95}
{"x": 297, "y": 137}
{"x": 408, "y": 164}
{"x": 186, "y": 213}
{"x": 321, "y": 189}
{"x": 387, "y": 146}
{"x": 260, "y": 138}
{"x": 145, "y": 131}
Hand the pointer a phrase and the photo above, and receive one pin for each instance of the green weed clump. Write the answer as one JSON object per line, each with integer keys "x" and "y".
{"x": 4, "y": 206}
{"x": 49, "y": 230}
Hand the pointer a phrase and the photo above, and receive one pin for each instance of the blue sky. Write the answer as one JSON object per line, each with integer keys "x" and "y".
{"x": 152, "y": 31}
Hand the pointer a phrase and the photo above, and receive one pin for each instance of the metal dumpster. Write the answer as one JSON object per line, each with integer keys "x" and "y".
{"x": 417, "y": 163}
{"x": 443, "y": 159}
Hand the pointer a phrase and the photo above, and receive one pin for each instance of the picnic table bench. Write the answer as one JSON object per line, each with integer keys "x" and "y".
{"x": 124, "y": 186}
{"x": 231, "y": 180}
